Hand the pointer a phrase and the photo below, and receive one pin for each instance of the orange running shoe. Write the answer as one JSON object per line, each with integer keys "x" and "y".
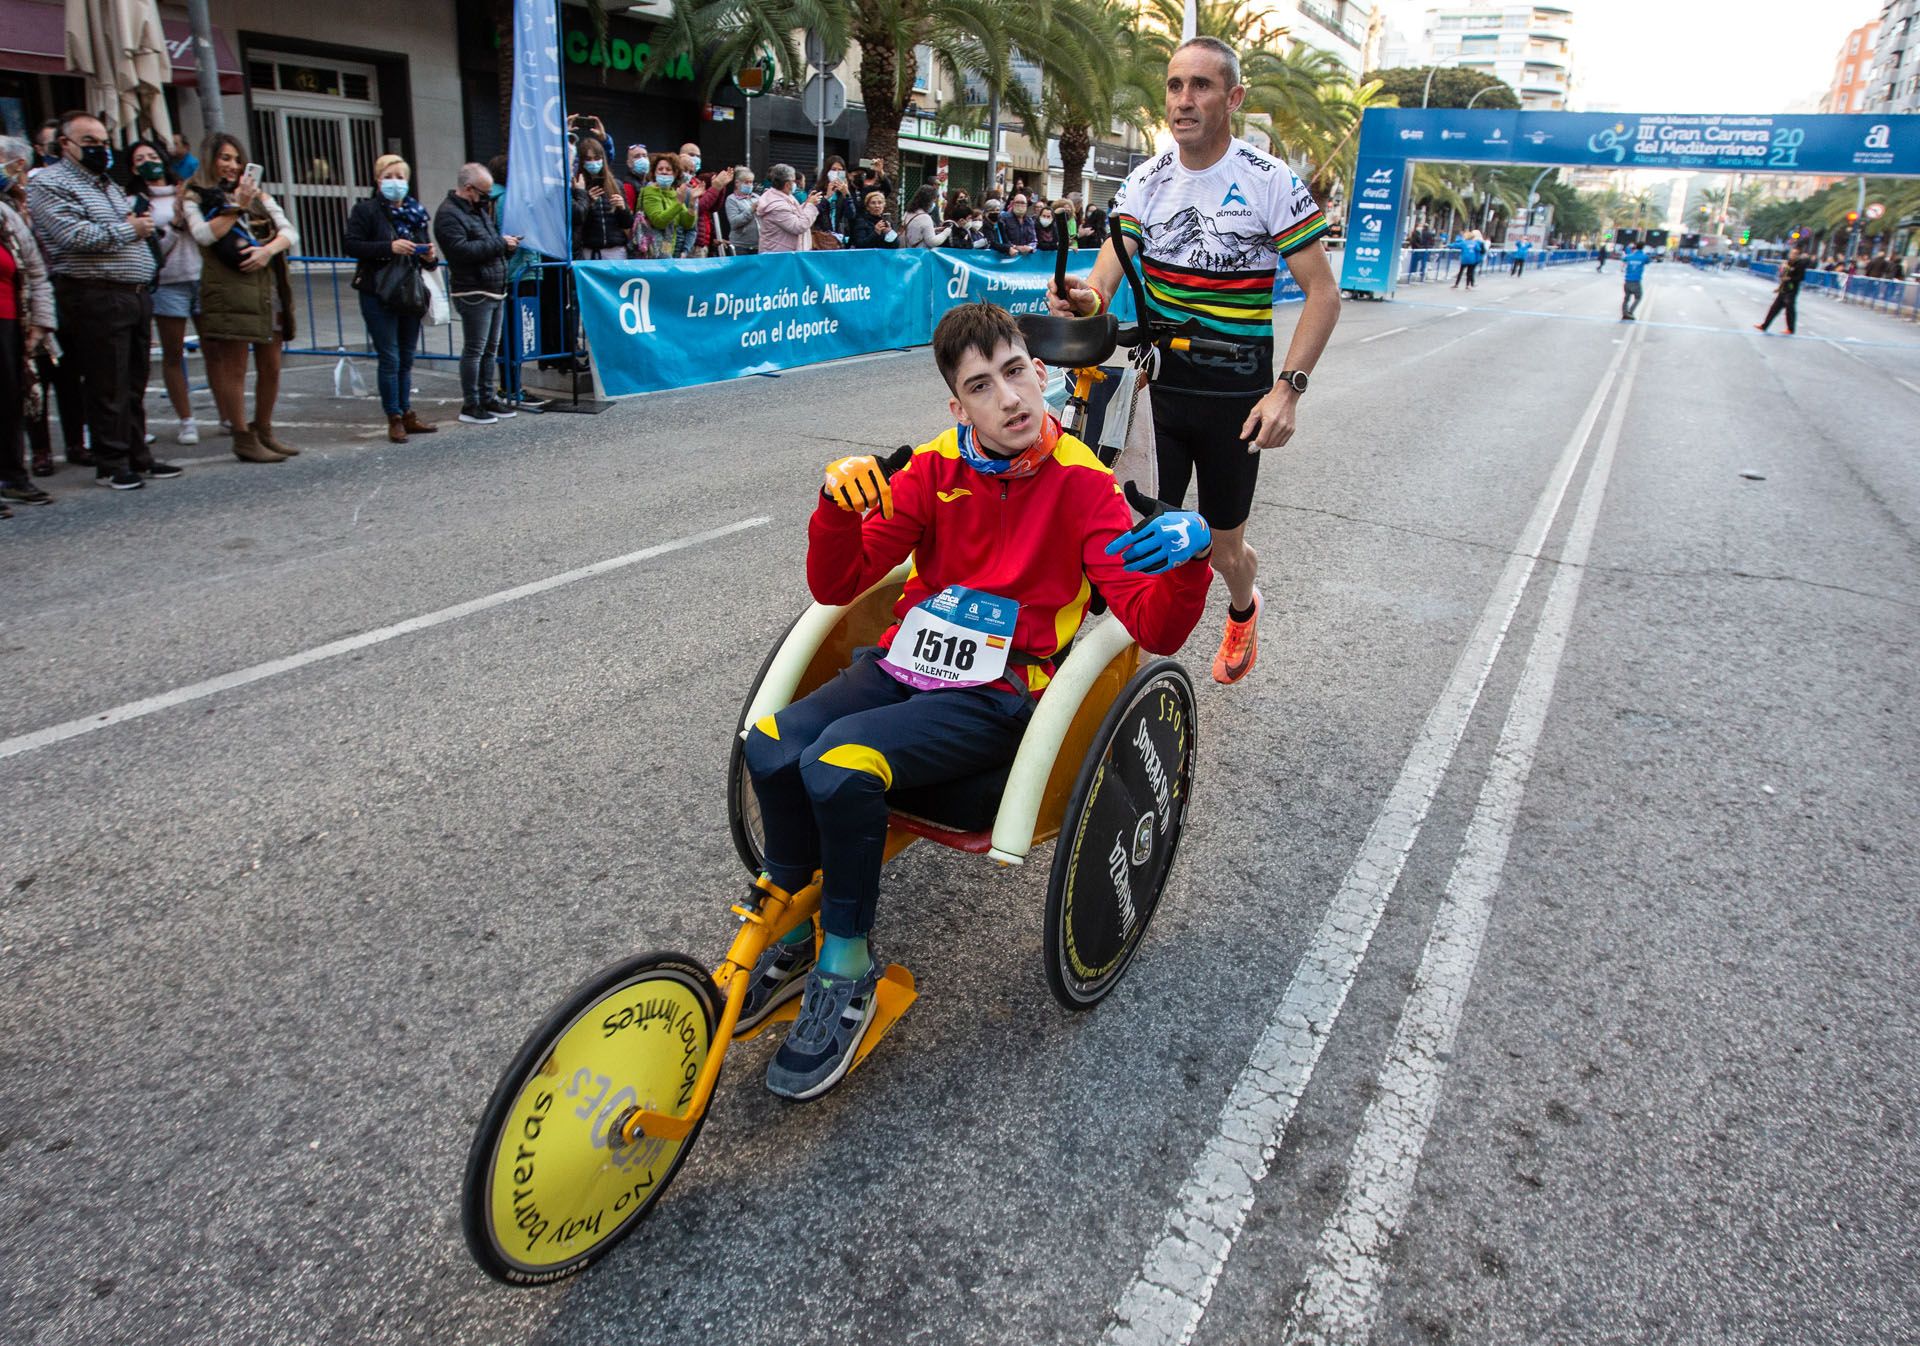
{"x": 1238, "y": 647}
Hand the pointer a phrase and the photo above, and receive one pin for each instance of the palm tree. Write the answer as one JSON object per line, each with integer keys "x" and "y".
{"x": 969, "y": 38}
{"x": 1107, "y": 84}
{"x": 1333, "y": 146}
{"x": 731, "y": 34}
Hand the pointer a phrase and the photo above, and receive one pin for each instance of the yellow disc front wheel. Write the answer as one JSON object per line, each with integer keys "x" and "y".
{"x": 549, "y": 1186}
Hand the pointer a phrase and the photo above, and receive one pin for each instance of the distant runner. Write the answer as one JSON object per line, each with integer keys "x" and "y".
{"x": 1634, "y": 264}
{"x": 1212, "y": 220}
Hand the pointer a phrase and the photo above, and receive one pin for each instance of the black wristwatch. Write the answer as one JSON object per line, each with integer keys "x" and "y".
{"x": 1294, "y": 378}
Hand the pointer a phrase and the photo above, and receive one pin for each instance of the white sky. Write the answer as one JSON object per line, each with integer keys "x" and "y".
{"x": 1696, "y": 55}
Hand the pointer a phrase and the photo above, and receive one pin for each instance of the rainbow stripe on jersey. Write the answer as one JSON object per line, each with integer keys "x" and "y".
{"x": 1236, "y": 303}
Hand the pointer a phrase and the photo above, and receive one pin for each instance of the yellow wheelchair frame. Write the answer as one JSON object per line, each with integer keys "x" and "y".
{"x": 600, "y": 1107}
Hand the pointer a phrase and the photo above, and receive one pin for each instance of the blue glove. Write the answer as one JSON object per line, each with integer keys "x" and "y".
{"x": 1163, "y": 539}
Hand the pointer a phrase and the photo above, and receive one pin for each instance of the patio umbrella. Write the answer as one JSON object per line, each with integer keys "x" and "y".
{"x": 121, "y": 48}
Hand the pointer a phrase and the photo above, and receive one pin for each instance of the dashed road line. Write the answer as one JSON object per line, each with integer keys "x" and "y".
{"x": 1168, "y": 1296}
{"x": 133, "y": 710}
{"x": 1391, "y": 331}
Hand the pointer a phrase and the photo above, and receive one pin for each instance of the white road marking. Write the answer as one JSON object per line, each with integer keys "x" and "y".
{"x": 1377, "y": 335}
{"x": 133, "y": 710}
{"x": 1343, "y": 1291}
{"x": 1435, "y": 350}
{"x": 1168, "y": 1296}
{"x": 1911, "y": 387}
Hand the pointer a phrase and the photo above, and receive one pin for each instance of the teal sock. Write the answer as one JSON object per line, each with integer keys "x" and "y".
{"x": 845, "y": 957}
{"x": 799, "y": 933}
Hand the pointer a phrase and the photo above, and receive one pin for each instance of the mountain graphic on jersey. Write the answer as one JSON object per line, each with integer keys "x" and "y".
{"x": 1190, "y": 239}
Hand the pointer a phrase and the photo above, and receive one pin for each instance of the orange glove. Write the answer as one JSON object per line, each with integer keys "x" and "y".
{"x": 857, "y": 485}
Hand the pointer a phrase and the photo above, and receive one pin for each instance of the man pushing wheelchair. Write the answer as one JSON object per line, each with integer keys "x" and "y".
{"x": 1010, "y": 523}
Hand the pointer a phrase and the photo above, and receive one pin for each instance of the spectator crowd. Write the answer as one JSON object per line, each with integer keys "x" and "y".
{"x": 109, "y": 252}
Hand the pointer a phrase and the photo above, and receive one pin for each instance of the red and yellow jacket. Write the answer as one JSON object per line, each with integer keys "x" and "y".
{"x": 1037, "y": 540}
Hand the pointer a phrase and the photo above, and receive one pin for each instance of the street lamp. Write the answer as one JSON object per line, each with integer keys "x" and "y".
{"x": 1476, "y": 98}
{"x": 1432, "y": 70}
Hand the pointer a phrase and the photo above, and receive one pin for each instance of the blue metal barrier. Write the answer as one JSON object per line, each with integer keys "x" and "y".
{"x": 535, "y": 327}
{"x": 1898, "y": 297}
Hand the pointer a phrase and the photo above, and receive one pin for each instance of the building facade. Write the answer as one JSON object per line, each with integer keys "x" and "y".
{"x": 1893, "y": 81}
{"x": 1851, "y": 70}
{"x": 1528, "y": 46}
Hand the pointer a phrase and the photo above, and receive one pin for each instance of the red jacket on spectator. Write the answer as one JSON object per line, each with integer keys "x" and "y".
{"x": 711, "y": 198}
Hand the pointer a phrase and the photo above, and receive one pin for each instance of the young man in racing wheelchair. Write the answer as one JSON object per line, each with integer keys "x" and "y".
{"x": 1010, "y": 522}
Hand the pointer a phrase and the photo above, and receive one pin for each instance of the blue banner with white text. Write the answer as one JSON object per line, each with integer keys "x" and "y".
{"x": 1393, "y": 139}
{"x": 653, "y": 325}
{"x": 537, "y": 200}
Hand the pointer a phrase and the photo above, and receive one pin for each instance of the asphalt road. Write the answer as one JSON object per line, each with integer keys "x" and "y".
{"x": 1538, "y": 963}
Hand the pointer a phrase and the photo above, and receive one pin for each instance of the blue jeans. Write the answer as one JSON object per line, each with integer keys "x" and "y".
{"x": 394, "y": 339}
{"x": 479, "y": 344}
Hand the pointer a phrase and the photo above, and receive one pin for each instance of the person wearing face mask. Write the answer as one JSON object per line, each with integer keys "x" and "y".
{"x": 638, "y": 166}
{"x": 601, "y": 220}
{"x": 786, "y": 225}
{"x": 835, "y": 201}
{"x": 872, "y": 228}
{"x": 176, "y": 294}
{"x": 95, "y": 243}
{"x": 1013, "y": 234}
{"x": 46, "y": 146}
{"x": 707, "y": 194}
{"x": 1043, "y": 235}
{"x": 476, "y": 251}
{"x": 390, "y": 228}
{"x": 665, "y": 215}
{"x": 26, "y": 323}
{"x": 743, "y": 224}
{"x": 1093, "y": 233}
{"x": 246, "y": 295}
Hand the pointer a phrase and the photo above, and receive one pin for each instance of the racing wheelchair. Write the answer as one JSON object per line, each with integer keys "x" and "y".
{"x": 601, "y": 1106}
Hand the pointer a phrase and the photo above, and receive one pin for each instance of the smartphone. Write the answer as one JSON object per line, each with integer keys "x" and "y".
{"x": 254, "y": 171}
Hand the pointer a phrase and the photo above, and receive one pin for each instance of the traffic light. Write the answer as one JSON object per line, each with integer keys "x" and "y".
{"x": 1853, "y": 217}
{"x": 1795, "y": 236}
{"x": 1745, "y": 236}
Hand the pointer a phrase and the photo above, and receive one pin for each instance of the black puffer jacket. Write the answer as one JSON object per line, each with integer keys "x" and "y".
{"x": 469, "y": 238}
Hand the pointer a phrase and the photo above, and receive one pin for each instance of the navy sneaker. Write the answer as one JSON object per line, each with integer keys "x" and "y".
{"x": 820, "y": 1046}
{"x": 779, "y": 976}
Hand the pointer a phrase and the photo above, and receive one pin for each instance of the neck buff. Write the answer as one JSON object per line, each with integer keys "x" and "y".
{"x": 1024, "y": 464}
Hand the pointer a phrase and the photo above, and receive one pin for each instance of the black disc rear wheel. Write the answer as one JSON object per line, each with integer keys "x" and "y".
{"x": 1122, "y": 828}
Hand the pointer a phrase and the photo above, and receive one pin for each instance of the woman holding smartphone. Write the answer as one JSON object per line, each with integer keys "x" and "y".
{"x": 387, "y": 228}
{"x": 176, "y": 294}
{"x": 246, "y": 298}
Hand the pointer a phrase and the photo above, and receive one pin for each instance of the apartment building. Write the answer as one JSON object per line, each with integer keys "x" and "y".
{"x": 1529, "y": 46}
{"x": 1851, "y": 70}
{"x": 1893, "y": 80}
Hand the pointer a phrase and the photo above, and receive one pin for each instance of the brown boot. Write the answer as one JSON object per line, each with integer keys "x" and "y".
{"x": 397, "y": 429}
{"x": 248, "y": 449}
{"x": 264, "y": 433}
{"x": 416, "y": 426}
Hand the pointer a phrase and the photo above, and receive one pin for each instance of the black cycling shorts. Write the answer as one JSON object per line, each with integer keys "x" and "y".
{"x": 1198, "y": 435}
